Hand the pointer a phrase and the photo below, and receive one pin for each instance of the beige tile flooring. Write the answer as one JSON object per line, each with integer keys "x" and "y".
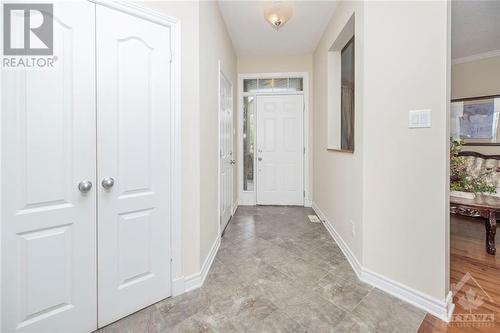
{"x": 277, "y": 272}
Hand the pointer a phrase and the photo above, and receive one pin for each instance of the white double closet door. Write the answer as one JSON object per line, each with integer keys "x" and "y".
{"x": 74, "y": 261}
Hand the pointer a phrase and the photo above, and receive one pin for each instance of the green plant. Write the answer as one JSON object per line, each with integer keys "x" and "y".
{"x": 460, "y": 180}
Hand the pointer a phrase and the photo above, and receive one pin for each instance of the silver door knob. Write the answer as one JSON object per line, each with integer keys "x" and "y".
{"x": 260, "y": 159}
{"x": 84, "y": 186}
{"x": 108, "y": 182}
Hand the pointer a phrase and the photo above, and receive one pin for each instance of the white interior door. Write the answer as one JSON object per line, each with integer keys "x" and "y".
{"x": 227, "y": 158}
{"x": 48, "y": 148}
{"x": 134, "y": 149}
{"x": 280, "y": 150}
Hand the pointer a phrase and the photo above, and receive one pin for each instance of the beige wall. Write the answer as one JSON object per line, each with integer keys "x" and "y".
{"x": 394, "y": 187}
{"x": 215, "y": 45}
{"x": 338, "y": 176}
{"x": 477, "y": 78}
{"x": 204, "y": 42}
{"x": 187, "y": 12}
{"x": 394, "y": 191}
{"x": 271, "y": 64}
{"x": 405, "y": 171}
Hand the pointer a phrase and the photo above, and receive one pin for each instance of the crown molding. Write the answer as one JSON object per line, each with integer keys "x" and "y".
{"x": 476, "y": 57}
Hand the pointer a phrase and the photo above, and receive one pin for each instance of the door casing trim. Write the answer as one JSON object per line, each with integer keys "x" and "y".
{"x": 249, "y": 198}
{"x": 220, "y": 72}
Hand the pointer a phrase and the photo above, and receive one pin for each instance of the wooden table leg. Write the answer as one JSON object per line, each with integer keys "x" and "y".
{"x": 491, "y": 230}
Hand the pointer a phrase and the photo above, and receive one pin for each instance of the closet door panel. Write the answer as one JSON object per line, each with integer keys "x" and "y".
{"x": 134, "y": 104}
{"x": 48, "y": 148}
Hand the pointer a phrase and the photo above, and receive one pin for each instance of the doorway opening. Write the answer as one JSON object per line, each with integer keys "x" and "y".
{"x": 474, "y": 202}
{"x": 273, "y": 131}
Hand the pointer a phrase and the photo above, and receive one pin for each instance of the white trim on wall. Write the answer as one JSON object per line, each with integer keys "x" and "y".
{"x": 235, "y": 206}
{"x": 1, "y": 199}
{"x": 476, "y": 57}
{"x": 196, "y": 280}
{"x": 233, "y": 200}
{"x": 249, "y": 198}
{"x": 176, "y": 232}
{"x": 443, "y": 309}
{"x": 129, "y": 7}
{"x": 356, "y": 266}
{"x": 219, "y": 212}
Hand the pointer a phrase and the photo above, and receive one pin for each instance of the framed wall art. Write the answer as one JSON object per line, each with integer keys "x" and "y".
{"x": 475, "y": 120}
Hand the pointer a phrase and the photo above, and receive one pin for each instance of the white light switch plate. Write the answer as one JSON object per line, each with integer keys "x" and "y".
{"x": 419, "y": 118}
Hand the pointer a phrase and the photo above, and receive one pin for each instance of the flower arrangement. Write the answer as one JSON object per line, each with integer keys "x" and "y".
{"x": 460, "y": 180}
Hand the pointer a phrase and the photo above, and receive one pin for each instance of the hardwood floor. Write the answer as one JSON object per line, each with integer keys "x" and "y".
{"x": 479, "y": 300}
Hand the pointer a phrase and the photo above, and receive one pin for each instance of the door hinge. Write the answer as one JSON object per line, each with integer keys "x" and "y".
{"x": 171, "y": 55}
{"x": 304, "y": 150}
{"x": 304, "y": 193}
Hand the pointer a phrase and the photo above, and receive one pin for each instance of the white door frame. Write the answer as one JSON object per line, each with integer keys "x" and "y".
{"x": 219, "y": 212}
{"x": 1, "y": 181}
{"x": 177, "y": 278}
{"x": 250, "y": 197}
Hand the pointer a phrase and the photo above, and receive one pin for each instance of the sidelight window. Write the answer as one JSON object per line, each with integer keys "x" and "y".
{"x": 248, "y": 142}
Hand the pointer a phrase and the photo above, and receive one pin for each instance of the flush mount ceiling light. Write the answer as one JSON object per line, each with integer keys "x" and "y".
{"x": 278, "y": 13}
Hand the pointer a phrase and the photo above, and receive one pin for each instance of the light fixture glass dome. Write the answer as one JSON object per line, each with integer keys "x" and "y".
{"x": 278, "y": 13}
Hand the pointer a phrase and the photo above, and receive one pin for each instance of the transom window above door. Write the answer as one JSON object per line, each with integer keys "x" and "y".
{"x": 272, "y": 85}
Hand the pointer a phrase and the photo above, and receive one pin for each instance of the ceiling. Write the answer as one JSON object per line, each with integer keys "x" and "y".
{"x": 475, "y": 27}
{"x": 252, "y": 35}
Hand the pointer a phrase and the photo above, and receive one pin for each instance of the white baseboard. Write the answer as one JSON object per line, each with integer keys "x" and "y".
{"x": 235, "y": 206}
{"x": 196, "y": 280}
{"x": 443, "y": 309}
{"x": 192, "y": 282}
{"x": 343, "y": 245}
{"x": 178, "y": 286}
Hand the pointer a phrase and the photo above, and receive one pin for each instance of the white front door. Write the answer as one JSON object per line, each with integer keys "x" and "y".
{"x": 280, "y": 150}
{"x": 48, "y": 148}
{"x": 227, "y": 158}
{"x": 134, "y": 154}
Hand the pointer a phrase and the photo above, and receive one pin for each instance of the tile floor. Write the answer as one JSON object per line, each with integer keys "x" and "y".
{"x": 277, "y": 272}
